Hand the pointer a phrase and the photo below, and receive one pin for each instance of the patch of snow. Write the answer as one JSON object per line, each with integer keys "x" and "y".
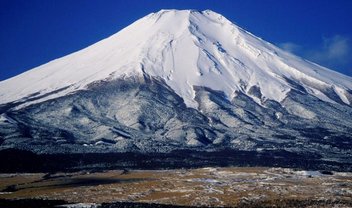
{"x": 308, "y": 173}
{"x": 300, "y": 111}
{"x": 80, "y": 205}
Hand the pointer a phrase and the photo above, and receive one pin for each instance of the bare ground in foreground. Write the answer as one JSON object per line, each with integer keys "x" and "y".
{"x": 223, "y": 187}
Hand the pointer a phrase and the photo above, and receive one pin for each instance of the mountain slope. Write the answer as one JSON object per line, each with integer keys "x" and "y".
{"x": 185, "y": 48}
{"x": 179, "y": 80}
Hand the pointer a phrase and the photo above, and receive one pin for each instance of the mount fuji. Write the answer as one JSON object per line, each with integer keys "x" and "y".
{"x": 179, "y": 80}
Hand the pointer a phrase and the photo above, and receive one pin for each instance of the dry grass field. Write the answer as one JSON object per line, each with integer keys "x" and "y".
{"x": 215, "y": 187}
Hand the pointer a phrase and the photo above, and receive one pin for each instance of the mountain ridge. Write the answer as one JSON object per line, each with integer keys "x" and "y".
{"x": 178, "y": 51}
{"x": 179, "y": 80}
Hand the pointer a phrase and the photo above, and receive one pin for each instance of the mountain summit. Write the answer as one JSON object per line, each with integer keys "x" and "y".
{"x": 185, "y": 48}
{"x": 179, "y": 79}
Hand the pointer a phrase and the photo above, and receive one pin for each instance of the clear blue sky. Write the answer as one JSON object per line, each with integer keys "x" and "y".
{"x": 33, "y": 32}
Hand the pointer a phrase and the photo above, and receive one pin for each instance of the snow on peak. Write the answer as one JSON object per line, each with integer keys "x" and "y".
{"x": 186, "y": 48}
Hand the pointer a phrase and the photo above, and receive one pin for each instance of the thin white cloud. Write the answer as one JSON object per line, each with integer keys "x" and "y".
{"x": 335, "y": 49}
{"x": 333, "y": 52}
{"x": 290, "y": 47}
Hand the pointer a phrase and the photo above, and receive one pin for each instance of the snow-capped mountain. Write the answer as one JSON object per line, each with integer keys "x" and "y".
{"x": 179, "y": 79}
{"x": 186, "y": 49}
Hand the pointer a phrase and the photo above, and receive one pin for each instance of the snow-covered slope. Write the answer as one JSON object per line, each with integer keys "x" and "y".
{"x": 179, "y": 80}
{"x": 186, "y": 49}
